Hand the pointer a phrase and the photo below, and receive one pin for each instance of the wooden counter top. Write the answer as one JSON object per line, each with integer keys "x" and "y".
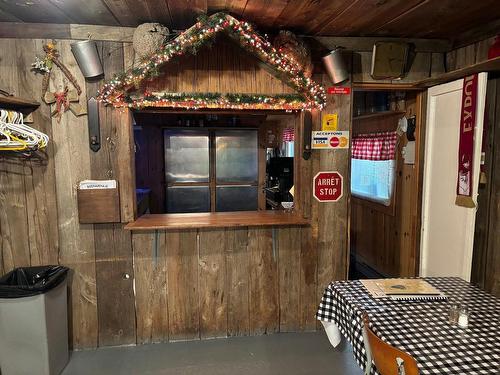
{"x": 217, "y": 220}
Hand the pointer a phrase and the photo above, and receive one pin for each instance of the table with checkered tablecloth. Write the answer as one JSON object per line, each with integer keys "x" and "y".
{"x": 421, "y": 327}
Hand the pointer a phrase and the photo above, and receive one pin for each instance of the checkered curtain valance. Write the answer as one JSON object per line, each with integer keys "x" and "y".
{"x": 375, "y": 146}
{"x": 288, "y": 135}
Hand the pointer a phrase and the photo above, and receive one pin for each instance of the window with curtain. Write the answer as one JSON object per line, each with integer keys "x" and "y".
{"x": 373, "y": 166}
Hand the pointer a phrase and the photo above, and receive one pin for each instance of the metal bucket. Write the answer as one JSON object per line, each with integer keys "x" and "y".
{"x": 335, "y": 66}
{"x": 87, "y": 57}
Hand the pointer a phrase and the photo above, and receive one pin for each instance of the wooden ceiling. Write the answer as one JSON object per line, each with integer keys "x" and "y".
{"x": 399, "y": 18}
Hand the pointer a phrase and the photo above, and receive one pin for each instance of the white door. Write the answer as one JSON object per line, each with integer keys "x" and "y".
{"x": 447, "y": 229}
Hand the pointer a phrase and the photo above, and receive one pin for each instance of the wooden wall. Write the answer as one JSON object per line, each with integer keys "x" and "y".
{"x": 423, "y": 65}
{"x": 221, "y": 67}
{"x": 468, "y": 55}
{"x": 486, "y": 255}
{"x": 201, "y": 283}
{"x": 387, "y": 241}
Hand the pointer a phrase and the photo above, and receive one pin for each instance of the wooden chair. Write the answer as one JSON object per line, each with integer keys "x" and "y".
{"x": 388, "y": 359}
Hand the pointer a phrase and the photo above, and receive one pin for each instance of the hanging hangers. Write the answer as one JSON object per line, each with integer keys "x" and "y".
{"x": 16, "y": 136}
{"x": 9, "y": 142}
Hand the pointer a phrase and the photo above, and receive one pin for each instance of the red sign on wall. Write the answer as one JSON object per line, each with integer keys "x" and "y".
{"x": 338, "y": 90}
{"x": 328, "y": 186}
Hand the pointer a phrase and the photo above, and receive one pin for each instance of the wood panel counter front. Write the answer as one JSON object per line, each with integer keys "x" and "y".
{"x": 217, "y": 220}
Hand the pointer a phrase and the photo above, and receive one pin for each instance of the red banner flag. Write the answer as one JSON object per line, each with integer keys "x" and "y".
{"x": 466, "y": 143}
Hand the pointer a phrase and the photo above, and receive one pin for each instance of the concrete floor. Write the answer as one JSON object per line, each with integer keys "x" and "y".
{"x": 285, "y": 353}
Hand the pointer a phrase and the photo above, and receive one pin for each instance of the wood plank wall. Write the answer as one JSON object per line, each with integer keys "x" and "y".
{"x": 222, "y": 67}
{"x": 471, "y": 54}
{"x": 198, "y": 284}
{"x": 486, "y": 256}
{"x": 424, "y": 65}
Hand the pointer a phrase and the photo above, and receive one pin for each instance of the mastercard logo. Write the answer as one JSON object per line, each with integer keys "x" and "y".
{"x": 339, "y": 141}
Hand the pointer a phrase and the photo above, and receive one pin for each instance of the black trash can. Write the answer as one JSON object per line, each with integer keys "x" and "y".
{"x": 34, "y": 321}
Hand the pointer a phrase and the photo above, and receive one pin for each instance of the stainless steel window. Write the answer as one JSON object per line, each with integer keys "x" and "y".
{"x": 187, "y": 156}
{"x": 188, "y": 199}
{"x": 236, "y": 156}
{"x": 211, "y": 170}
{"x": 236, "y": 198}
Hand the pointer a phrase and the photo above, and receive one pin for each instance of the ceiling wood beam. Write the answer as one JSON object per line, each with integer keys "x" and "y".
{"x": 39, "y": 11}
{"x": 185, "y": 12}
{"x": 477, "y": 34}
{"x": 401, "y": 16}
{"x": 94, "y": 11}
{"x": 365, "y": 44}
{"x": 7, "y": 17}
{"x": 121, "y": 12}
{"x": 23, "y": 30}
{"x": 366, "y": 17}
{"x": 441, "y": 17}
{"x": 124, "y": 34}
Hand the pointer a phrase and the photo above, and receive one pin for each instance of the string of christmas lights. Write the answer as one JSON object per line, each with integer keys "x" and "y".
{"x": 121, "y": 90}
{"x": 289, "y": 102}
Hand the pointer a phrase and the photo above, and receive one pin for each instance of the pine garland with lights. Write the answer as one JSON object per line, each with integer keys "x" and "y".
{"x": 119, "y": 90}
{"x": 215, "y": 100}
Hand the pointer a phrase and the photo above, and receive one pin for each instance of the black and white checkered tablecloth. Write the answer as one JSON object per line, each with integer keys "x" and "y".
{"x": 421, "y": 328}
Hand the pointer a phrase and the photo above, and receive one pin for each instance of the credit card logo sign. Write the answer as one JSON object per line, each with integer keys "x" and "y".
{"x": 330, "y": 140}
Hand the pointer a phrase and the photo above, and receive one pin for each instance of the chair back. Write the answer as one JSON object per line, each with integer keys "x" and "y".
{"x": 388, "y": 359}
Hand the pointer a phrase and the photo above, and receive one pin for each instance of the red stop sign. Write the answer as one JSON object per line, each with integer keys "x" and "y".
{"x": 327, "y": 186}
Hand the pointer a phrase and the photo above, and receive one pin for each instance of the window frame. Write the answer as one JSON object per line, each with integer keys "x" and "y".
{"x": 375, "y": 200}
{"x": 297, "y": 120}
{"x": 371, "y": 124}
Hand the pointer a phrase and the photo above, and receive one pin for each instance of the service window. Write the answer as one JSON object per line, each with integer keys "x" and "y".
{"x": 190, "y": 163}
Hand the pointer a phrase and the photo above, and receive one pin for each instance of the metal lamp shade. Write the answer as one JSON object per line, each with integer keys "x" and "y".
{"x": 335, "y": 66}
{"x": 87, "y": 57}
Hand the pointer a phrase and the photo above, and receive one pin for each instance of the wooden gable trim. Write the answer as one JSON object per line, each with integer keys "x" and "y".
{"x": 117, "y": 90}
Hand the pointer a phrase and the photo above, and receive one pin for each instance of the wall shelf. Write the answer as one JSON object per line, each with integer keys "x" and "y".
{"x": 377, "y": 115}
{"x": 217, "y": 220}
{"x": 383, "y": 86}
{"x": 491, "y": 65}
{"x": 14, "y": 102}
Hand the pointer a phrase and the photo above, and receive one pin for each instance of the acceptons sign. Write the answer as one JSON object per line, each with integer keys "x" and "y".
{"x": 328, "y": 186}
{"x": 330, "y": 140}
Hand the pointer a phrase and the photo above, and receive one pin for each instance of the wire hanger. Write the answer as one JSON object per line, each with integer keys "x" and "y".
{"x": 16, "y": 136}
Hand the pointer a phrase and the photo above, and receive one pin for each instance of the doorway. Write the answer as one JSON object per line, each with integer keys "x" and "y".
{"x": 447, "y": 228}
{"x": 385, "y": 180}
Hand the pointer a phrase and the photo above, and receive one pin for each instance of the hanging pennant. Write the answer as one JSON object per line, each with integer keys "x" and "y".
{"x": 466, "y": 142}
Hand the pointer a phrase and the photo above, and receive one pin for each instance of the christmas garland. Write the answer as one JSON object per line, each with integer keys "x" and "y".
{"x": 216, "y": 100}
{"x": 118, "y": 90}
